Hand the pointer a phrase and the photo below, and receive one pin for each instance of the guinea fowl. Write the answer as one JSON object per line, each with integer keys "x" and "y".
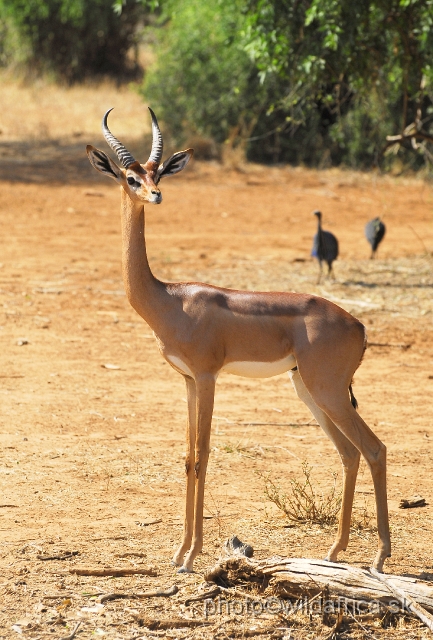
{"x": 325, "y": 246}
{"x": 374, "y": 232}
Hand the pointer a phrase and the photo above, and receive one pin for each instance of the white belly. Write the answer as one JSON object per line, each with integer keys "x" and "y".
{"x": 180, "y": 365}
{"x": 249, "y": 369}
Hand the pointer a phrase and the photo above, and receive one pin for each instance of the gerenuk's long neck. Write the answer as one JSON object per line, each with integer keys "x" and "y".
{"x": 147, "y": 295}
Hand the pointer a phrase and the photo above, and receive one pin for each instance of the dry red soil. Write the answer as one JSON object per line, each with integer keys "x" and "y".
{"x": 88, "y": 450}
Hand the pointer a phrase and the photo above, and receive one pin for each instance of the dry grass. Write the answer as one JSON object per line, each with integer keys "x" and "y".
{"x": 306, "y": 503}
{"x": 40, "y": 110}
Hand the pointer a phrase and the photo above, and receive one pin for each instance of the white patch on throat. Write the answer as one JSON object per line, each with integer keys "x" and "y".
{"x": 249, "y": 369}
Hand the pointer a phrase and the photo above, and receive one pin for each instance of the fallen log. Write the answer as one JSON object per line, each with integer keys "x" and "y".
{"x": 300, "y": 577}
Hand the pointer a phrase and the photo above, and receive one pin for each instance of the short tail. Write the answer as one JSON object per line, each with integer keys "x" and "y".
{"x": 353, "y": 400}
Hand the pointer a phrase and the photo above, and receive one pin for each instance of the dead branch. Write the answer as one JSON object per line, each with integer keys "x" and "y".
{"x": 61, "y": 556}
{"x": 139, "y": 596}
{"x": 174, "y": 623}
{"x": 207, "y": 595}
{"x": 12, "y": 376}
{"x": 300, "y": 577}
{"x": 71, "y": 636}
{"x": 275, "y": 424}
{"x": 336, "y": 626}
{"x": 416, "y": 134}
{"x": 147, "y": 523}
{"x": 110, "y": 571}
{"x": 412, "y": 503}
{"x": 397, "y": 345}
{"x": 406, "y": 600}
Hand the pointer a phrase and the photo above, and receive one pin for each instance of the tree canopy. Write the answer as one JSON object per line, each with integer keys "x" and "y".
{"x": 318, "y": 81}
{"x": 339, "y": 56}
{"x": 69, "y": 39}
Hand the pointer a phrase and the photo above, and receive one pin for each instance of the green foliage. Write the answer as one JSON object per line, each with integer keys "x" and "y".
{"x": 336, "y": 41}
{"x": 355, "y": 71}
{"x": 71, "y": 39}
{"x": 203, "y": 81}
{"x": 314, "y": 81}
{"x": 318, "y": 82}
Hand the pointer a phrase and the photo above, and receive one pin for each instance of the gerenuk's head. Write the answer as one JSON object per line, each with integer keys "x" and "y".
{"x": 140, "y": 181}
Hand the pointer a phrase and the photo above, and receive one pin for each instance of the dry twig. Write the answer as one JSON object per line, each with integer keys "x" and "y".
{"x": 174, "y": 623}
{"x": 336, "y": 626}
{"x": 139, "y": 596}
{"x": 207, "y": 595}
{"x": 398, "y": 345}
{"x": 109, "y": 571}
{"x": 71, "y": 636}
{"x": 61, "y": 556}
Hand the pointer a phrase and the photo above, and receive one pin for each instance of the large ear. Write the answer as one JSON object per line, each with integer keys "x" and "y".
{"x": 102, "y": 163}
{"x": 174, "y": 164}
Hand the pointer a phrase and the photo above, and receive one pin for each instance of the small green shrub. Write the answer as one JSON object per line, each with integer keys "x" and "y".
{"x": 203, "y": 82}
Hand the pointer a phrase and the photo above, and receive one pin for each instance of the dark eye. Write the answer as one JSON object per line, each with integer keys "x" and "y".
{"x": 130, "y": 180}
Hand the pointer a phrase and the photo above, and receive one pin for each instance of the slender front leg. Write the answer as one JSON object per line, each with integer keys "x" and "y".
{"x": 189, "y": 469}
{"x": 205, "y": 390}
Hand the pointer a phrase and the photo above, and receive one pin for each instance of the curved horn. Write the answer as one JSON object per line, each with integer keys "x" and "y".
{"x": 122, "y": 153}
{"x": 156, "y": 153}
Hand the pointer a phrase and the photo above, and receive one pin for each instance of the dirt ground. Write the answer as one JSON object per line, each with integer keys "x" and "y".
{"x": 92, "y": 418}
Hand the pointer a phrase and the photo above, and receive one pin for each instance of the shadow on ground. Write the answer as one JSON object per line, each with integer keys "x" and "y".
{"x": 398, "y": 285}
{"x": 56, "y": 161}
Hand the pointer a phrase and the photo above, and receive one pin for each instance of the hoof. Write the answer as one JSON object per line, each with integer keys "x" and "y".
{"x": 328, "y": 559}
{"x": 377, "y": 570}
{"x": 378, "y": 566}
{"x": 185, "y": 570}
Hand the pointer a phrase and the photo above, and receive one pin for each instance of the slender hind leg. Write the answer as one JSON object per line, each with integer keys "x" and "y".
{"x": 350, "y": 460}
{"x": 205, "y": 390}
{"x": 189, "y": 468}
{"x": 332, "y": 397}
